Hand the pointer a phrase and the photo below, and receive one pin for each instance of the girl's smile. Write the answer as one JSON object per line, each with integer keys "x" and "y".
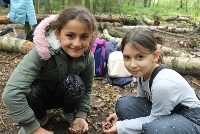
{"x": 74, "y": 38}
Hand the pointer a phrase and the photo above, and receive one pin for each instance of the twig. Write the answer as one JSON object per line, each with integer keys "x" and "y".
{"x": 14, "y": 57}
{"x": 3, "y": 122}
{"x": 4, "y": 62}
{"x": 178, "y": 35}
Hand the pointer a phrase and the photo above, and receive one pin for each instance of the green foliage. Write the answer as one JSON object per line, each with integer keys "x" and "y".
{"x": 135, "y": 8}
{"x": 195, "y": 43}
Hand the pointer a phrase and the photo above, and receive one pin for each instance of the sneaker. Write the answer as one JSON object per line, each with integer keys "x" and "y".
{"x": 70, "y": 117}
{"x": 21, "y": 131}
{"x": 43, "y": 121}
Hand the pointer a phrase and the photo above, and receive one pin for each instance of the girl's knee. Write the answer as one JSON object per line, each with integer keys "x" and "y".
{"x": 154, "y": 128}
{"x": 122, "y": 102}
{"x": 74, "y": 87}
{"x": 126, "y": 107}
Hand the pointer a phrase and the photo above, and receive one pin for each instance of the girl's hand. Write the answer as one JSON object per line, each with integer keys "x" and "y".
{"x": 109, "y": 128}
{"x": 80, "y": 123}
{"x": 112, "y": 118}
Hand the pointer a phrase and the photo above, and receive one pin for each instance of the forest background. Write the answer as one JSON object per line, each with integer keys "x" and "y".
{"x": 133, "y": 8}
{"x": 104, "y": 96}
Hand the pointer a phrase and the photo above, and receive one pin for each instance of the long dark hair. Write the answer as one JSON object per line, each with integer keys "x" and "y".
{"x": 142, "y": 37}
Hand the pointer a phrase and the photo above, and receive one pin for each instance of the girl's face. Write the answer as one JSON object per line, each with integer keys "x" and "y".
{"x": 74, "y": 37}
{"x": 139, "y": 63}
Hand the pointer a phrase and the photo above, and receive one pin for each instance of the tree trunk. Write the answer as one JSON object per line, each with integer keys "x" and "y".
{"x": 147, "y": 21}
{"x": 12, "y": 44}
{"x": 184, "y": 66}
{"x": 145, "y": 3}
{"x": 75, "y": 2}
{"x": 87, "y": 4}
{"x": 37, "y": 6}
{"x": 16, "y": 26}
{"x": 63, "y": 4}
{"x": 47, "y": 7}
{"x": 4, "y": 20}
{"x": 94, "y": 6}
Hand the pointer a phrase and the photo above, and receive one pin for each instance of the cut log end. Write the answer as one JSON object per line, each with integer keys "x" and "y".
{"x": 27, "y": 46}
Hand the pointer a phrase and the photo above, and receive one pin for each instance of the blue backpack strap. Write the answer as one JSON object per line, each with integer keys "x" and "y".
{"x": 99, "y": 55}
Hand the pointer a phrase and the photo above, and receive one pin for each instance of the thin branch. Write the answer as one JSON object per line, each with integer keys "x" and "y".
{"x": 11, "y": 58}
{"x": 3, "y": 122}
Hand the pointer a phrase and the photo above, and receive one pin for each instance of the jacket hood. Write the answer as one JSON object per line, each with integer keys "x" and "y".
{"x": 44, "y": 39}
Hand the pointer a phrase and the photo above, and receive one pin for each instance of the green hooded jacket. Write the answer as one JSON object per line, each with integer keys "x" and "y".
{"x": 49, "y": 63}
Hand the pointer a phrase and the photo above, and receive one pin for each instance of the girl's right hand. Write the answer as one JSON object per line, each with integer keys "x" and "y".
{"x": 112, "y": 129}
{"x": 112, "y": 118}
{"x": 109, "y": 127}
{"x": 41, "y": 130}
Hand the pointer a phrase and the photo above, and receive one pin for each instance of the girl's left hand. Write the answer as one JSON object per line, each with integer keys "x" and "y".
{"x": 111, "y": 130}
{"x": 82, "y": 123}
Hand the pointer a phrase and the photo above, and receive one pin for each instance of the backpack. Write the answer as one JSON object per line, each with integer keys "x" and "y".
{"x": 117, "y": 81}
{"x": 100, "y": 57}
{"x": 115, "y": 65}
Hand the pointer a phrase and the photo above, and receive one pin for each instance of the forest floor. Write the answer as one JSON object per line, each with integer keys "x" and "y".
{"x": 104, "y": 96}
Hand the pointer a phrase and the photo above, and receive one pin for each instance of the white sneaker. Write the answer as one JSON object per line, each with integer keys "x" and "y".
{"x": 70, "y": 117}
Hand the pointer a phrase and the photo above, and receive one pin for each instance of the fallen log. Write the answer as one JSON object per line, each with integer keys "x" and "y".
{"x": 4, "y": 20}
{"x": 16, "y": 26}
{"x": 147, "y": 21}
{"x": 171, "y": 52}
{"x": 179, "y": 30}
{"x": 114, "y": 32}
{"x": 179, "y": 18}
{"x": 105, "y": 35}
{"x": 16, "y": 45}
{"x": 163, "y": 28}
{"x": 184, "y": 66}
{"x": 125, "y": 20}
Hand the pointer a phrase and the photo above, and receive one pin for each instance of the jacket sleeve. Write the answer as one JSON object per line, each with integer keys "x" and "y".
{"x": 87, "y": 76}
{"x": 133, "y": 126}
{"x": 18, "y": 87}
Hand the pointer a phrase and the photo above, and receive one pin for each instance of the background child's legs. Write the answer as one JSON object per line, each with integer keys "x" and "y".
{"x": 130, "y": 107}
{"x": 172, "y": 124}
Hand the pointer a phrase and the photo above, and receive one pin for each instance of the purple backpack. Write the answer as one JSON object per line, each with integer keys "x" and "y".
{"x": 100, "y": 57}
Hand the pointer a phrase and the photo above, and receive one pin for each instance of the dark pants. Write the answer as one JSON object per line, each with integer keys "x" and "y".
{"x": 184, "y": 122}
{"x": 41, "y": 98}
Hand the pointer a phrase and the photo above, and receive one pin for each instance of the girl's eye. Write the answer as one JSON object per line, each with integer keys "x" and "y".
{"x": 140, "y": 57}
{"x": 126, "y": 57}
{"x": 84, "y": 36}
{"x": 70, "y": 35}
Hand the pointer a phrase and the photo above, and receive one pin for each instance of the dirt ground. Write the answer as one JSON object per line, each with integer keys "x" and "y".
{"x": 104, "y": 96}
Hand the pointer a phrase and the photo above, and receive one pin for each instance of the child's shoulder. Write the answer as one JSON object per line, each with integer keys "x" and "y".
{"x": 168, "y": 75}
